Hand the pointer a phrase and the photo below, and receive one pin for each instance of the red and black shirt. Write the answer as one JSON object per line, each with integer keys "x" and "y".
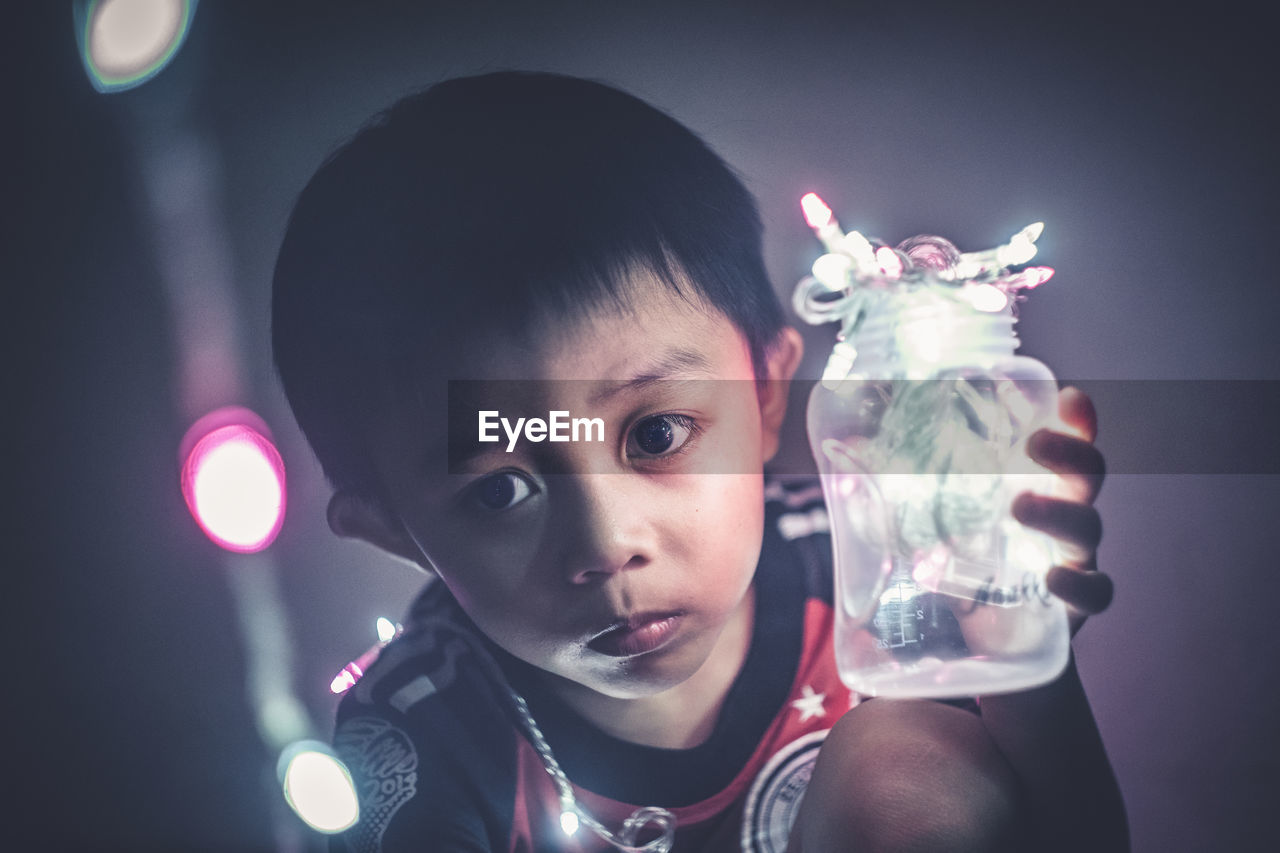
{"x": 441, "y": 763}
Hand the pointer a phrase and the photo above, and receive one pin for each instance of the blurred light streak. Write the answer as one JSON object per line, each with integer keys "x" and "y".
{"x": 181, "y": 176}
{"x": 281, "y": 717}
{"x": 192, "y": 249}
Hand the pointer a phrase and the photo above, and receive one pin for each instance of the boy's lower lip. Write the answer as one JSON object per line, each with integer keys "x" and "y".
{"x": 637, "y": 636}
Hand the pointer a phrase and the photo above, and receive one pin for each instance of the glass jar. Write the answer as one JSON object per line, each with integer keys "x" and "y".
{"x": 919, "y": 430}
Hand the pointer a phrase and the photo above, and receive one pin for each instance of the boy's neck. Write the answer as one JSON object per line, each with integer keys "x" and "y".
{"x": 683, "y": 716}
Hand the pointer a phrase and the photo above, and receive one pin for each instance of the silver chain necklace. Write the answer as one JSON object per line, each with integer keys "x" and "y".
{"x": 572, "y": 815}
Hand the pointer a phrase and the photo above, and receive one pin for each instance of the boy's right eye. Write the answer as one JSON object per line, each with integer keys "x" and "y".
{"x": 502, "y": 491}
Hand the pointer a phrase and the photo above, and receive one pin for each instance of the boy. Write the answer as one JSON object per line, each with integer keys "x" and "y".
{"x": 621, "y": 647}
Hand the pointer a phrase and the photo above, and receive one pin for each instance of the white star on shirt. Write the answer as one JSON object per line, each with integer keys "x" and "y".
{"x": 810, "y": 704}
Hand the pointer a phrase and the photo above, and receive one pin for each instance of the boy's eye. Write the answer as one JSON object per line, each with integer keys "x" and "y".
{"x": 660, "y": 435}
{"x": 502, "y": 491}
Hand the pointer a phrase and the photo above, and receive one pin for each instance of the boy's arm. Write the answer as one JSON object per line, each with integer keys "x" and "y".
{"x": 1049, "y": 737}
{"x": 1048, "y": 734}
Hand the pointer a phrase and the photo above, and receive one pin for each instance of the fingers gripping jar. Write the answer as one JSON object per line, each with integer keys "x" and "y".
{"x": 919, "y": 430}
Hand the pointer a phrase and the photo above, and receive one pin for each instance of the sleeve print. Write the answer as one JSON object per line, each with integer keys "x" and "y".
{"x": 384, "y": 767}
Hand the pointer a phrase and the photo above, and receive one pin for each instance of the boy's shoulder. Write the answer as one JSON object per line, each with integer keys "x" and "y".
{"x": 425, "y": 735}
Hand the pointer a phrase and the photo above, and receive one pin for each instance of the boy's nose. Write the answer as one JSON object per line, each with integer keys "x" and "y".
{"x": 605, "y": 531}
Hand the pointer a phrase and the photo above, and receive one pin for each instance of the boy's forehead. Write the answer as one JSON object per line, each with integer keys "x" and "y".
{"x": 576, "y": 361}
{"x": 601, "y": 341}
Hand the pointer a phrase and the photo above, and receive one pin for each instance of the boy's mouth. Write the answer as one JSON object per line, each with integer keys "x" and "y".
{"x": 636, "y": 635}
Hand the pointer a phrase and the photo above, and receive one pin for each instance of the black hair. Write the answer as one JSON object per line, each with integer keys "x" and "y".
{"x": 488, "y": 200}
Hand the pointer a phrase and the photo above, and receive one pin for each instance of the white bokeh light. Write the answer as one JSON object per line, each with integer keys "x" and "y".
{"x": 319, "y": 789}
{"x": 126, "y": 38}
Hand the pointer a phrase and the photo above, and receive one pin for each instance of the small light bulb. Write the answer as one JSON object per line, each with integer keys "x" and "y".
{"x": 838, "y": 365}
{"x": 890, "y": 263}
{"x": 1036, "y": 276}
{"x": 1021, "y": 247}
{"x": 816, "y": 212}
{"x": 858, "y": 247}
{"x": 1033, "y": 231}
{"x": 832, "y": 269}
{"x": 568, "y": 822}
{"x": 342, "y": 682}
{"x": 986, "y": 297}
{"x": 386, "y": 629}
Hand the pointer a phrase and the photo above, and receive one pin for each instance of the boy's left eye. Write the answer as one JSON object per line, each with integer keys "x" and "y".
{"x": 660, "y": 435}
{"x": 502, "y": 491}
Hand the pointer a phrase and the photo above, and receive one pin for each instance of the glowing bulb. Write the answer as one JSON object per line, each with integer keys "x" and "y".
{"x": 233, "y": 482}
{"x": 986, "y": 297}
{"x": 343, "y": 681}
{"x": 1021, "y": 247}
{"x": 838, "y": 364}
{"x": 124, "y": 43}
{"x": 568, "y": 822}
{"x": 1033, "y": 231}
{"x": 319, "y": 789}
{"x": 831, "y": 269}
{"x": 386, "y": 629}
{"x": 1035, "y": 276}
{"x": 816, "y": 212}
{"x": 890, "y": 263}
{"x": 858, "y": 247}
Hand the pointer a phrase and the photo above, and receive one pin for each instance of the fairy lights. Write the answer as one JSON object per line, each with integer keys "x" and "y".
{"x": 869, "y": 263}
{"x": 822, "y": 221}
{"x": 856, "y": 273}
{"x": 919, "y": 429}
{"x": 354, "y": 671}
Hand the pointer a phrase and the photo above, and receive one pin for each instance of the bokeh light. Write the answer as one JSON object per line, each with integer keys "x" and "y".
{"x": 234, "y": 484}
{"x": 318, "y": 787}
{"x": 124, "y": 43}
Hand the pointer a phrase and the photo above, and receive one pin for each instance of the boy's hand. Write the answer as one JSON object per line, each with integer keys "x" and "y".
{"x": 1071, "y": 519}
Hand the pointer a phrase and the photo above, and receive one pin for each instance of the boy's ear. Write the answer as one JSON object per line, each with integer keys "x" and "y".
{"x": 354, "y": 516}
{"x": 781, "y": 362}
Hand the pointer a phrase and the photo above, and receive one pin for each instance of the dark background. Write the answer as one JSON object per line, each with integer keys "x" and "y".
{"x": 1140, "y": 138}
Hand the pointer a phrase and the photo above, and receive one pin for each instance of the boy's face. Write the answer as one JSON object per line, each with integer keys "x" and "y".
{"x": 614, "y": 564}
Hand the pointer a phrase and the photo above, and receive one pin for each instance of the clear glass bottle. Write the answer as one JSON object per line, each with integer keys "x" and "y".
{"x": 919, "y": 430}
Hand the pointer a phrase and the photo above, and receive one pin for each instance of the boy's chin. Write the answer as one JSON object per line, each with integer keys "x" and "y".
{"x": 641, "y": 677}
{"x": 633, "y": 687}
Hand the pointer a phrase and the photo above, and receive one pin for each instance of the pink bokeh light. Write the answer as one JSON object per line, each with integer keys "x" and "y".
{"x": 233, "y": 481}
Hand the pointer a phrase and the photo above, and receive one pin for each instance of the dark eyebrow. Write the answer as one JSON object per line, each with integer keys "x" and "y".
{"x": 667, "y": 367}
